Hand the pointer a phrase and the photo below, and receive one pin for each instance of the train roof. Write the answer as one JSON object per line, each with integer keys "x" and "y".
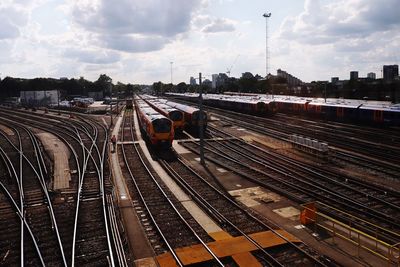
{"x": 254, "y": 99}
{"x": 150, "y": 112}
{"x": 337, "y": 102}
{"x": 163, "y": 106}
{"x": 182, "y": 107}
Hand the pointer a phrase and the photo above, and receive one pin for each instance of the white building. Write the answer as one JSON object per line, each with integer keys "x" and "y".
{"x": 214, "y": 79}
{"x": 40, "y": 98}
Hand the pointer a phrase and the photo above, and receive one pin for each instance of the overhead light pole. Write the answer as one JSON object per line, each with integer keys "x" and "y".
{"x": 266, "y": 16}
{"x": 201, "y": 122}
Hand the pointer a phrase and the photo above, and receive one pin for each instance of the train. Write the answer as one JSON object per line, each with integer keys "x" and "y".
{"x": 175, "y": 115}
{"x": 191, "y": 115}
{"x": 157, "y": 128}
{"x": 345, "y": 110}
{"x": 129, "y": 103}
{"x": 375, "y": 113}
{"x": 254, "y": 105}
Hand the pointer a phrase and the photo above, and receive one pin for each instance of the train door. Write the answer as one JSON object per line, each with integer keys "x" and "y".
{"x": 339, "y": 112}
{"x": 378, "y": 115}
{"x": 318, "y": 109}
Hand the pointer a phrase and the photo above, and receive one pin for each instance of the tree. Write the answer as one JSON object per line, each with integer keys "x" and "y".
{"x": 247, "y": 84}
{"x": 157, "y": 88}
{"x": 9, "y": 87}
{"x": 104, "y": 83}
{"x": 181, "y": 87}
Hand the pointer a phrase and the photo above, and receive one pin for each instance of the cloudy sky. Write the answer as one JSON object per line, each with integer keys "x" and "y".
{"x": 135, "y": 40}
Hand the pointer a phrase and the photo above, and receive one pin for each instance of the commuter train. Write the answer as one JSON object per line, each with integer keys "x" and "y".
{"x": 255, "y": 105}
{"x": 355, "y": 111}
{"x": 175, "y": 115}
{"x": 157, "y": 128}
{"x": 376, "y": 113}
{"x": 191, "y": 115}
{"x": 129, "y": 103}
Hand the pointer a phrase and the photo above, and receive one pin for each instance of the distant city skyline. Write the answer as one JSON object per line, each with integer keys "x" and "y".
{"x": 135, "y": 41}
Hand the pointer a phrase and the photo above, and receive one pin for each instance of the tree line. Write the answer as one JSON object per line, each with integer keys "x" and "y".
{"x": 11, "y": 87}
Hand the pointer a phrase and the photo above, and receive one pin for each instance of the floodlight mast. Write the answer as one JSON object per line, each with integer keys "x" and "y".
{"x": 266, "y": 16}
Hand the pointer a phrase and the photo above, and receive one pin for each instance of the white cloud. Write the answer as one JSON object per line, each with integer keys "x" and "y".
{"x": 210, "y": 24}
{"x": 219, "y": 25}
{"x": 343, "y": 19}
{"x": 12, "y": 19}
{"x": 92, "y": 56}
{"x": 135, "y": 25}
{"x": 133, "y": 43}
{"x": 340, "y": 36}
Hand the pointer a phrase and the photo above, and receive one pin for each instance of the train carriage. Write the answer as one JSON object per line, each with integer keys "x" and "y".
{"x": 391, "y": 116}
{"x": 292, "y": 105}
{"x": 250, "y": 104}
{"x": 157, "y": 128}
{"x": 357, "y": 111}
{"x": 175, "y": 115}
{"x": 191, "y": 115}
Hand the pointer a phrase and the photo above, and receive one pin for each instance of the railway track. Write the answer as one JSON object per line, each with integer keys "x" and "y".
{"x": 304, "y": 184}
{"x": 362, "y": 146}
{"x": 237, "y": 220}
{"x": 82, "y": 211}
{"x": 166, "y": 222}
{"x": 36, "y": 206}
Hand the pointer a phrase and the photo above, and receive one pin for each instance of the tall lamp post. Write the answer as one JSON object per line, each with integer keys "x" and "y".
{"x": 201, "y": 123}
{"x": 266, "y": 16}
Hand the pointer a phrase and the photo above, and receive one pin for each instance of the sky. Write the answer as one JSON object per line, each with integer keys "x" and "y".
{"x": 135, "y": 41}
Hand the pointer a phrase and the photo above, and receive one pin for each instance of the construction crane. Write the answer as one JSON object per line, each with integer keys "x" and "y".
{"x": 228, "y": 71}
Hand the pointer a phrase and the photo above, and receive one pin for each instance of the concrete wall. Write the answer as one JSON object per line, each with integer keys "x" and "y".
{"x": 39, "y": 98}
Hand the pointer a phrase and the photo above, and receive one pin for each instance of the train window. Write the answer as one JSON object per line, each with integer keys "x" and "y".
{"x": 162, "y": 126}
{"x": 176, "y": 115}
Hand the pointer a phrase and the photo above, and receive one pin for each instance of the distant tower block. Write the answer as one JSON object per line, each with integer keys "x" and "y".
{"x": 266, "y": 16}
{"x": 353, "y": 75}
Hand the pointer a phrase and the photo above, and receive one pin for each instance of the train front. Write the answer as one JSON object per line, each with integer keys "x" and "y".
{"x": 177, "y": 118}
{"x": 163, "y": 133}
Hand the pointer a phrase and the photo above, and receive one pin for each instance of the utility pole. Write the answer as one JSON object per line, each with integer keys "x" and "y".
{"x": 266, "y": 16}
{"x": 201, "y": 123}
{"x": 58, "y": 101}
{"x": 111, "y": 124}
{"x": 325, "y": 91}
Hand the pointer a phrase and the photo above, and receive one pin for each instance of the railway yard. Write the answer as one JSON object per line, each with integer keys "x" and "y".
{"x": 273, "y": 190}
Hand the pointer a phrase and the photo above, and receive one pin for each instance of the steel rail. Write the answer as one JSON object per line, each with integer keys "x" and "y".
{"x": 187, "y": 186}
{"x": 304, "y": 191}
{"x": 42, "y": 182}
{"x": 169, "y": 201}
{"x": 20, "y": 210}
{"x": 199, "y": 199}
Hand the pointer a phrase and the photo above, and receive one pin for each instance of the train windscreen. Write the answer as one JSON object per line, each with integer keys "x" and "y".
{"x": 176, "y": 115}
{"x": 162, "y": 126}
